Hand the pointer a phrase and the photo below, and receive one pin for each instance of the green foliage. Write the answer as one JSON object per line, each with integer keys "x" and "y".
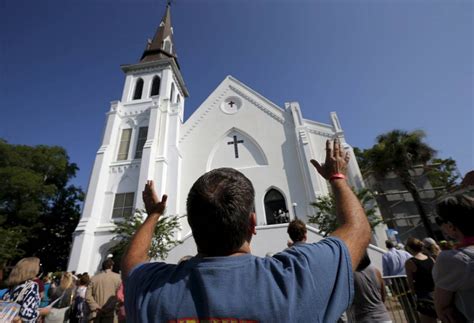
{"x": 10, "y": 240}
{"x": 162, "y": 242}
{"x": 443, "y": 173}
{"x": 398, "y": 151}
{"x": 38, "y": 209}
{"x": 362, "y": 160}
{"x": 325, "y": 217}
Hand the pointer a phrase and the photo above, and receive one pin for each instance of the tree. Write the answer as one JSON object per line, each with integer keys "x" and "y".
{"x": 162, "y": 242}
{"x": 326, "y": 218}
{"x": 399, "y": 151}
{"x": 38, "y": 208}
{"x": 443, "y": 173}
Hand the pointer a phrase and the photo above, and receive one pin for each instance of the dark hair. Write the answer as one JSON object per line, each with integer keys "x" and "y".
{"x": 389, "y": 244}
{"x": 414, "y": 244}
{"x": 219, "y": 206}
{"x": 296, "y": 230}
{"x": 84, "y": 280}
{"x": 459, "y": 210}
{"x": 107, "y": 264}
{"x": 364, "y": 262}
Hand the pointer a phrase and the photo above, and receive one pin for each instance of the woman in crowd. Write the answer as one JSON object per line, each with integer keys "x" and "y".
{"x": 418, "y": 270}
{"x": 80, "y": 311}
{"x": 47, "y": 286}
{"x": 23, "y": 290}
{"x": 369, "y": 295}
{"x": 431, "y": 248}
{"x": 64, "y": 293}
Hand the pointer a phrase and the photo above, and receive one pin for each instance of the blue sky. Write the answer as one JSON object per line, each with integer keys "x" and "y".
{"x": 380, "y": 65}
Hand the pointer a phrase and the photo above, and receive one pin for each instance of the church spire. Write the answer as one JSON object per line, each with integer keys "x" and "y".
{"x": 162, "y": 45}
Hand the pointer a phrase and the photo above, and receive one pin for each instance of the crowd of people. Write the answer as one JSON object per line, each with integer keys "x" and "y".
{"x": 224, "y": 282}
{"x": 74, "y": 298}
{"x": 440, "y": 276}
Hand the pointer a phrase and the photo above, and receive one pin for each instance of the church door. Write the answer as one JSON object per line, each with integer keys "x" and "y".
{"x": 275, "y": 207}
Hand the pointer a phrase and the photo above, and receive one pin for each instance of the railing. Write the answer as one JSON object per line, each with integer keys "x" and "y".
{"x": 399, "y": 300}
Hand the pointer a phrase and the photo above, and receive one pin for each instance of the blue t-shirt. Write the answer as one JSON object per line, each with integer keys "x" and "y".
{"x": 305, "y": 283}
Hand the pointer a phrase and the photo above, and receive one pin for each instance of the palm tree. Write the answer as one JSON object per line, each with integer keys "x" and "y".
{"x": 326, "y": 218}
{"x": 399, "y": 151}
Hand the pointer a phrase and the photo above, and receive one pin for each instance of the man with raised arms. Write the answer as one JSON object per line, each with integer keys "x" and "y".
{"x": 224, "y": 282}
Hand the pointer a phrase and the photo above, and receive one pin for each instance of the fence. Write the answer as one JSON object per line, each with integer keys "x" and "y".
{"x": 399, "y": 300}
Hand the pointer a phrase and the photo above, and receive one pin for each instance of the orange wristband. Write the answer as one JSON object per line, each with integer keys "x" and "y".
{"x": 337, "y": 176}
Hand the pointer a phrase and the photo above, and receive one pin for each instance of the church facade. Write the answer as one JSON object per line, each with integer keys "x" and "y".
{"x": 146, "y": 137}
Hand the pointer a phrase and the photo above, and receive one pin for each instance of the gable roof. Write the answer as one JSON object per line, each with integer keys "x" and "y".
{"x": 230, "y": 85}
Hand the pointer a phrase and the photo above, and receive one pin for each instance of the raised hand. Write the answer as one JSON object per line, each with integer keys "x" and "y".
{"x": 336, "y": 160}
{"x": 153, "y": 205}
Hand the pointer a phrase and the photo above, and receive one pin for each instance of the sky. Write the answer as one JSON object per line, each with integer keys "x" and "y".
{"x": 381, "y": 65}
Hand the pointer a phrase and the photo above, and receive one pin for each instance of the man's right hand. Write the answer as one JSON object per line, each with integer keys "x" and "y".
{"x": 353, "y": 228}
{"x": 137, "y": 251}
{"x": 336, "y": 160}
{"x": 153, "y": 205}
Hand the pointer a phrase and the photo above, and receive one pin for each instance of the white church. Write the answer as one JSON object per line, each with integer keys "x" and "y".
{"x": 146, "y": 137}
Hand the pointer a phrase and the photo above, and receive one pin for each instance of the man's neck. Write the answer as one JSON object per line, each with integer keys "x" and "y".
{"x": 243, "y": 250}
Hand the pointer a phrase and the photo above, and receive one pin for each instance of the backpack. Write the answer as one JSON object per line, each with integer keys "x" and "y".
{"x": 78, "y": 309}
{"x": 10, "y": 309}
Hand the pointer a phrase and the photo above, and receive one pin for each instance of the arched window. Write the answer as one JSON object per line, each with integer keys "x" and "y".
{"x": 155, "y": 86}
{"x": 172, "y": 93}
{"x": 275, "y": 207}
{"x": 178, "y": 98}
{"x": 137, "y": 95}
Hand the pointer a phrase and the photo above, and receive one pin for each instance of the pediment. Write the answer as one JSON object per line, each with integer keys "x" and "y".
{"x": 227, "y": 99}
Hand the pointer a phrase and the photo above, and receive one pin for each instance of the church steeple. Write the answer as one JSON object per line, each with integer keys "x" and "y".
{"x": 162, "y": 45}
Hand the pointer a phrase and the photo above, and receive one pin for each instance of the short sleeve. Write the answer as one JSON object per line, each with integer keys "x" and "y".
{"x": 330, "y": 267}
{"x": 138, "y": 282}
{"x": 450, "y": 272}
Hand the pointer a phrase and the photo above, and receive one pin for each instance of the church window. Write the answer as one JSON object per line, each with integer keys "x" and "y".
{"x": 172, "y": 93}
{"x": 275, "y": 207}
{"x": 142, "y": 134}
{"x": 236, "y": 143}
{"x": 124, "y": 144}
{"x": 137, "y": 94}
{"x": 155, "y": 86}
{"x": 178, "y": 98}
{"x": 123, "y": 205}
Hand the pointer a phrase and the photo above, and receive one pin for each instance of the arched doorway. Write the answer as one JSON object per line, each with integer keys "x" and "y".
{"x": 275, "y": 207}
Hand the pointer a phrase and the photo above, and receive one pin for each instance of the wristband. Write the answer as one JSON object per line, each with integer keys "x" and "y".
{"x": 337, "y": 176}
